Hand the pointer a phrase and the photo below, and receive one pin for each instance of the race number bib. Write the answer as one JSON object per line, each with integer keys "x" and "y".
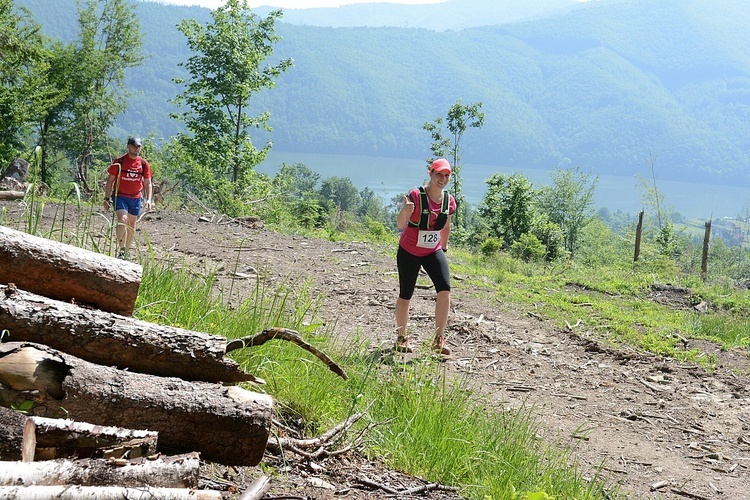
{"x": 428, "y": 239}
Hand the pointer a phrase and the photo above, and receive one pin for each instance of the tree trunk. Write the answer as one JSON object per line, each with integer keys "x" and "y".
{"x": 67, "y": 273}
{"x": 11, "y": 433}
{"x": 109, "y": 339}
{"x": 226, "y": 424}
{"x": 50, "y": 438}
{"x": 11, "y": 195}
{"x": 104, "y": 493}
{"x": 181, "y": 471}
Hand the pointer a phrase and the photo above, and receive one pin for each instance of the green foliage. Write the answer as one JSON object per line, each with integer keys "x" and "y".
{"x": 528, "y": 248}
{"x": 376, "y": 230}
{"x": 490, "y": 247}
{"x": 568, "y": 203}
{"x": 507, "y": 209}
{"x": 341, "y": 192}
{"x": 21, "y": 57}
{"x": 225, "y": 72}
{"x": 108, "y": 42}
{"x": 550, "y": 235}
{"x": 458, "y": 119}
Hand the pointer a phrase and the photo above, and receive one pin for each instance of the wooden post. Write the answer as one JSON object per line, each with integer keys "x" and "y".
{"x": 67, "y": 273}
{"x": 706, "y": 245}
{"x": 638, "y": 234}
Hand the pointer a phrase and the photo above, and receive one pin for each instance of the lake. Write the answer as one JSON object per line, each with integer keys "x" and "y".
{"x": 389, "y": 177}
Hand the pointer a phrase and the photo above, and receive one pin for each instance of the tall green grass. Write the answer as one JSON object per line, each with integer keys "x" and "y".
{"x": 427, "y": 424}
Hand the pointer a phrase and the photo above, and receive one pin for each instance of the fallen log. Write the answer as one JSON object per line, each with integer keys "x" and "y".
{"x": 110, "y": 339}
{"x": 11, "y": 433}
{"x": 12, "y": 195}
{"x": 125, "y": 342}
{"x": 180, "y": 471}
{"x": 51, "y": 438}
{"x": 226, "y": 424}
{"x": 104, "y": 493}
{"x": 68, "y": 273}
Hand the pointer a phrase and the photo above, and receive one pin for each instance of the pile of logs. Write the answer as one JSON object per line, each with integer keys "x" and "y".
{"x": 109, "y": 402}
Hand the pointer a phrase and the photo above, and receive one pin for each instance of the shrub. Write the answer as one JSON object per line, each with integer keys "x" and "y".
{"x": 528, "y": 248}
{"x": 490, "y": 246}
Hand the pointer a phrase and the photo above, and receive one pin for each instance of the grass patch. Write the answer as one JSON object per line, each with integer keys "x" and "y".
{"x": 428, "y": 425}
{"x": 614, "y": 304}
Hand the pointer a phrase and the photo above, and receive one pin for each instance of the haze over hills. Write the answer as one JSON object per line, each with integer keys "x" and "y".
{"x": 446, "y": 15}
{"x": 600, "y": 85}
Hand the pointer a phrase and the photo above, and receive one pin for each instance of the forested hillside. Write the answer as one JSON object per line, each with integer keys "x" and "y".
{"x": 601, "y": 86}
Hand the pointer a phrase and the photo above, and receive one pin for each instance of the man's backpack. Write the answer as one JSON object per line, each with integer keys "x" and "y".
{"x": 424, "y": 206}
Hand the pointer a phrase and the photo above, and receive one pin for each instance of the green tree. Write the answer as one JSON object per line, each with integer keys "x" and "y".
{"x": 21, "y": 51}
{"x": 342, "y": 193}
{"x": 299, "y": 180}
{"x": 568, "y": 203}
{"x": 508, "y": 206}
{"x": 60, "y": 76}
{"x": 218, "y": 152}
{"x": 109, "y": 42}
{"x": 459, "y": 118}
{"x": 657, "y": 209}
{"x": 371, "y": 206}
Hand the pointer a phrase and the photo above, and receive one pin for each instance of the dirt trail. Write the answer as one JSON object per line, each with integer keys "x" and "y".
{"x": 660, "y": 428}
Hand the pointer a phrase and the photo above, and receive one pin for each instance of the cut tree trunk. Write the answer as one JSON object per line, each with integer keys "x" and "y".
{"x": 104, "y": 493}
{"x": 11, "y": 195}
{"x": 50, "y": 438}
{"x": 226, "y": 424}
{"x": 111, "y": 339}
{"x": 180, "y": 471}
{"x": 68, "y": 273}
{"x": 11, "y": 433}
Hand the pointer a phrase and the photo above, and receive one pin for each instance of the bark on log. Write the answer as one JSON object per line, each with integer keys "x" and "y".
{"x": 11, "y": 195}
{"x": 68, "y": 273}
{"x": 226, "y": 424}
{"x": 11, "y": 433}
{"x": 181, "y": 471}
{"x": 257, "y": 490}
{"x": 104, "y": 493}
{"x": 50, "y": 438}
{"x": 110, "y": 339}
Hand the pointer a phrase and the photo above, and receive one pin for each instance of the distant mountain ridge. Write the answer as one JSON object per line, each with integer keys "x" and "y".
{"x": 600, "y": 86}
{"x": 446, "y": 15}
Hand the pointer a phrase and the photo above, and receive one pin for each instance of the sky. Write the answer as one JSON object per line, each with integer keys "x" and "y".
{"x": 294, "y": 4}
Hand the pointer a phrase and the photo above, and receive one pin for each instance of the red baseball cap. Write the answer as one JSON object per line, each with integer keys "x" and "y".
{"x": 441, "y": 165}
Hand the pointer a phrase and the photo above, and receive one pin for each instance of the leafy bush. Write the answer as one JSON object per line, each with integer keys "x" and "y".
{"x": 528, "y": 248}
{"x": 490, "y": 247}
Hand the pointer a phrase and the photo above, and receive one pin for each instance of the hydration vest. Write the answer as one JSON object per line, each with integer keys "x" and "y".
{"x": 424, "y": 207}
